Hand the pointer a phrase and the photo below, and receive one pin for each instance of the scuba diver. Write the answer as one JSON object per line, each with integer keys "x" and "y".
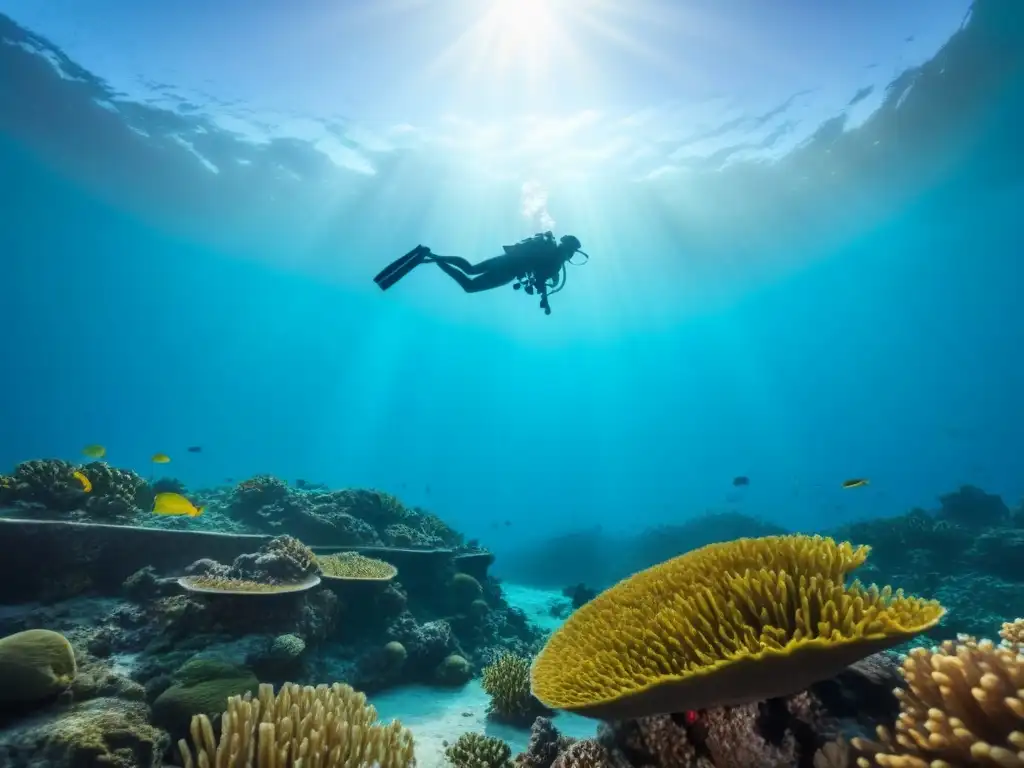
{"x": 536, "y": 264}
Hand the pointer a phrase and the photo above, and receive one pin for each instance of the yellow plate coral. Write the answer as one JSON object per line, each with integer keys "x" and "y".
{"x": 352, "y": 566}
{"x": 729, "y": 623}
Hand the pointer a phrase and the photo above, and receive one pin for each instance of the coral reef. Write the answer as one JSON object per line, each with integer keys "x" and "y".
{"x": 729, "y": 623}
{"x": 35, "y": 665}
{"x": 545, "y": 745}
{"x": 961, "y": 706}
{"x": 507, "y": 682}
{"x": 328, "y": 726}
{"x": 474, "y": 750}
{"x": 355, "y": 567}
{"x": 282, "y": 560}
{"x": 100, "y": 732}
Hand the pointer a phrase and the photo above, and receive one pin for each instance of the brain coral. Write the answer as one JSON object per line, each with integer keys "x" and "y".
{"x": 726, "y": 624}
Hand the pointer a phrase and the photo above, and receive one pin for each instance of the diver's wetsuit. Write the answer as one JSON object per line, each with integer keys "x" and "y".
{"x": 488, "y": 274}
{"x": 539, "y": 255}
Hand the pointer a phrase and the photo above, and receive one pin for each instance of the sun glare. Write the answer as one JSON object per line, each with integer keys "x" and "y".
{"x": 518, "y": 34}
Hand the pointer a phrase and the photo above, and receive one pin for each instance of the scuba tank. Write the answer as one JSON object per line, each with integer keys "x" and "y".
{"x": 529, "y": 243}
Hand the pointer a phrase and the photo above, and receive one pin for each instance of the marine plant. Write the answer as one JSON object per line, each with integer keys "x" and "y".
{"x": 474, "y": 750}
{"x": 355, "y": 567}
{"x": 726, "y": 624}
{"x": 328, "y": 727}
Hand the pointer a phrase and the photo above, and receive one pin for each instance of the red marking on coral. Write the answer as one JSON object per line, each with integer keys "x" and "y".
{"x": 691, "y": 716}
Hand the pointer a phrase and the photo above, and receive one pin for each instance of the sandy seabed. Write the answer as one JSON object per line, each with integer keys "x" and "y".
{"x": 439, "y": 715}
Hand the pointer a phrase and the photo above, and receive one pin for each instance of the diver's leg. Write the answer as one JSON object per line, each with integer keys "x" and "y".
{"x": 464, "y": 265}
{"x": 493, "y": 279}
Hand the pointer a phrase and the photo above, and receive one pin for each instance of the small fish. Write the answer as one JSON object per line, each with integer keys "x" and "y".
{"x": 740, "y": 480}
{"x": 86, "y": 485}
{"x": 94, "y": 451}
{"x": 5, "y": 482}
{"x": 161, "y": 458}
{"x": 856, "y": 482}
{"x": 195, "y": 449}
{"x": 229, "y": 479}
{"x": 175, "y": 504}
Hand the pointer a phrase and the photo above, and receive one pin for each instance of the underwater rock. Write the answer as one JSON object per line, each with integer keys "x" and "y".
{"x": 105, "y": 731}
{"x": 282, "y": 560}
{"x": 579, "y": 594}
{"x": 999, "y": 552}
{"x": 97, "y": 679}
{"x": 971, "y": 507}
{"x": 427, "y": 644}
{"x": 474, "y": 563}
{"x": 145, "y": 584}
{"x": 42, "y": 558}
{"x": 544, "y": 746}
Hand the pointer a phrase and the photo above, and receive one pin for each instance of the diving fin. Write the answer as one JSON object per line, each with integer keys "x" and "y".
{"x": 399, "y": 268}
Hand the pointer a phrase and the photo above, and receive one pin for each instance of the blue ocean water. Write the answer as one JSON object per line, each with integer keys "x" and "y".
{"x": 803, "y": 223}
{"x": 845, "y": 306}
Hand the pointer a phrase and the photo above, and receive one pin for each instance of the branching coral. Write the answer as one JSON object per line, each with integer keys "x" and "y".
{"x": 507, "y": 682}
{"x": 727, "y": 624}
{"x": 474, "y": 750}
{"x": 355, "y": 567}
{"x": 329, "y": 727}
{"x": 1012, "y": 634}
{"x": 962, "y": 706}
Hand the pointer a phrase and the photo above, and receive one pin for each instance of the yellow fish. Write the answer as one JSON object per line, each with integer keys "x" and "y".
{"x": 86, "y": 485}
{"x": 175, "y": 504}
{"x": 161, "y": 458}
{"x": 94, "y": 451}
{"x": 857, "y": 482}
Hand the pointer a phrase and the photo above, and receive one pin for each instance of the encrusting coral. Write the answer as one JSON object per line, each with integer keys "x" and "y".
{"x": 328, "y": 727}
{"x": 962, "y": 706}
{"x": 474, "y": 750}
{"x": 726, "y": 624}
{"x": 355, "y": 567}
